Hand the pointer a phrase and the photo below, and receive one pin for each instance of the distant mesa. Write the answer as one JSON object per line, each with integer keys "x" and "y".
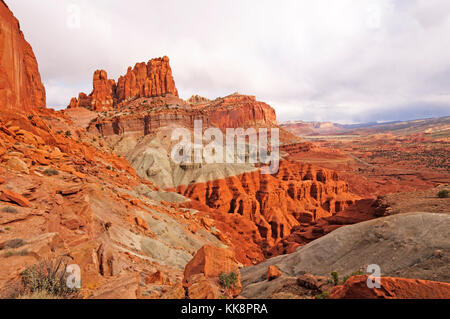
{"x": 144, "y": 80}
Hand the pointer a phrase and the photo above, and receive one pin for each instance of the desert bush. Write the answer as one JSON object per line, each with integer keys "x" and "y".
{"x": 323, "y": 295}
{"x": 445, "y": 193}
{"x": 68, "y": 133}
{"x": 49, "y": 278}
{"x": 228, "y": 280}
{"x": 11, "y": 253}
{"x": 9, "y": 209}
{"x": 335, "y": 277}
{"x": 15, "y": 243}
{"x": 51, "y": 172}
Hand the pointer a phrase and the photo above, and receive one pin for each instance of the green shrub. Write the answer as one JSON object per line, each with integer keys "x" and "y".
{"x": 15, "y": 243}
{"x": 9, "y": 209}
{"x": 335, "y": 277}
{"x": 49, "y": 277}
{"x": 323, "y": 295}
{"x": 51, "y": 172}
{"x": 11, "y": 253}
{"x": 445, "y": 193}
{"x": 68, "y": 134}
{"x": 228, "y": 280}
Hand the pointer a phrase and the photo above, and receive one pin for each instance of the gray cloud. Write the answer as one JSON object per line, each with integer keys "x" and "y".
{"x": 348, "y": 60}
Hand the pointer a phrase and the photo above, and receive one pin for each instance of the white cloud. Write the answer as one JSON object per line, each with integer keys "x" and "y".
{"x": 347, "y": 60}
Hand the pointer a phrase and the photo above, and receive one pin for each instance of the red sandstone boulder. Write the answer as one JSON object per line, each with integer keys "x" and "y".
{"x": 273, "y": 273}
{"x": 203, "y": 288}
{"x": 391, "y": 288}
{"x": 212, "y": 262}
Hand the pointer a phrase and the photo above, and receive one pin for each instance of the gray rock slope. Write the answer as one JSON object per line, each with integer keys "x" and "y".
{"x": 414, "y": 245}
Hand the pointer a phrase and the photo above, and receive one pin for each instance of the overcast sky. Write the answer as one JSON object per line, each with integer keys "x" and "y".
{"x": 346, "y": 61}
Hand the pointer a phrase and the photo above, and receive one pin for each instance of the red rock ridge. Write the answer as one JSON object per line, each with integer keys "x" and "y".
{"x": 144, "y": 80}
{"x": 276, "y": 204}
{"x": 238, "y": 110}
{"x": 145, "y": 116}
{"x": 21, "y": 88}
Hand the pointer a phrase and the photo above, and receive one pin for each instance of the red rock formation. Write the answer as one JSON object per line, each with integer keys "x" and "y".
{"x": 310, "y": 230}
{"x": 145, "y": 80}
{"x": 277, "y": 203}
{"x": 240, "y": 111}
{"x": 211, "y": 262}
{"x": 198, "y": 100}
{"x": 21, "y": 88}
{"x": 391, "y": 288}
{"x": 230, "y": 112}
{"x": 273, "y": 273}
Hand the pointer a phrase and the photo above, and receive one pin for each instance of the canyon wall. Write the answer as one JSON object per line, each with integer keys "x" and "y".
{"x": 298, "y": 193}
{"x": 21, "y": 88}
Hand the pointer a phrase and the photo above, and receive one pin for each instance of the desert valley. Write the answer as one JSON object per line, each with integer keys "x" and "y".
{"x": 94, "y": 185}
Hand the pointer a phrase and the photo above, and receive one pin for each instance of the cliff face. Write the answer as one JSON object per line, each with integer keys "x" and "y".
{"x": 21, "y": 88}
{"x": 146, "y": 115}
{"x": 144, "y": 80}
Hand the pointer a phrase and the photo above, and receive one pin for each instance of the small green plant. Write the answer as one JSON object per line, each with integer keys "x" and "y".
{"x": 228, "y": 280}
{"x": 49, "y": 277}
{"x": 11, "y": 253}
{"x": 9, "y": 209}
{"x": 445, "y": 193}
{"x": 15, "y": 243}
{"x": 323, "y": 295}
{"x": 335, "y": 277}
{"x": 68, "y": 133}
{"x": 51, "y": 172}
{"x": 30, "y": 117}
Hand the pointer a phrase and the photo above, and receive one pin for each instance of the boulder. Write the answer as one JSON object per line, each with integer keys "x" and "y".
{"x": 273, "y": 273}
{"x": 18, "y": 165}
{"x": 391, "y": 288}
{"x": 10, "y": 196}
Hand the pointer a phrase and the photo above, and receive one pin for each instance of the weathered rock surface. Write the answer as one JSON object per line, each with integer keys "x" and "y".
{"x": 202, "y": 273}
{"x": 415, "y": 245}
{"x": 275, "y": 203}
{"x": 21, "y": 89}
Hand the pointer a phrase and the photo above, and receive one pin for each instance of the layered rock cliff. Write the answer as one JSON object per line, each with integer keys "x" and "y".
{"x": 298, "y": 193}
{"x": 21, "y": 88}
{"x": 144, "y": 80}
{"x": 146, "y": 115}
